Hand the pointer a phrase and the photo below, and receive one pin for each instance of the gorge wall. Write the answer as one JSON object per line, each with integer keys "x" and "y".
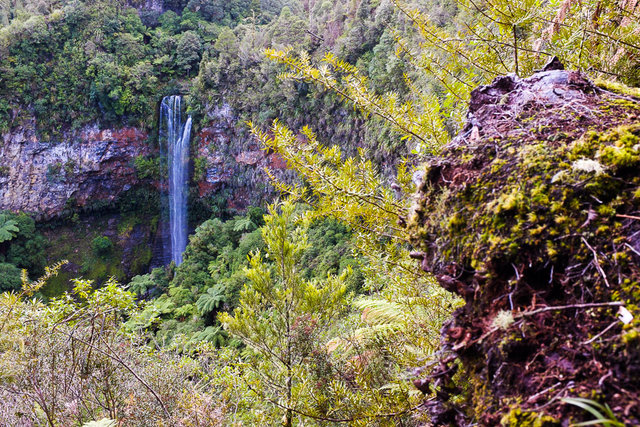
{"x": 89, "y": 166}
{"x": 94, "y": 166}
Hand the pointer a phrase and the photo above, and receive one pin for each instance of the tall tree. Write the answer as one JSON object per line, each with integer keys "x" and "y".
{"x": 282, "y": 317}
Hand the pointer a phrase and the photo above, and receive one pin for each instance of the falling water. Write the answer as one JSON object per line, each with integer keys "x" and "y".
{"x": 177, "y": 136}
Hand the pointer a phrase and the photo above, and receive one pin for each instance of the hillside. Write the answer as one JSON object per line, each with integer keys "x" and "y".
{"x": 316, "y": 212}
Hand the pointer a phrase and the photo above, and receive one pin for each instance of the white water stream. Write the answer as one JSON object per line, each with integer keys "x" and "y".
{"x": 177, "y": 137}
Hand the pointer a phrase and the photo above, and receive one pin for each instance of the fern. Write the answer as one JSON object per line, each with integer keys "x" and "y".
{"x": 243, "y": 224}
{"x": 379, "y": 311}
{"x": 8, "y": 228}
{"x": 211, "y": 300}
{"x": 212, "y": 334}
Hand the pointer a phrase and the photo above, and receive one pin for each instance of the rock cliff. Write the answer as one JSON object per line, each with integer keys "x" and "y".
{"x": 87, "y": 167}
{"x": 532, "y": 216}
{"x": 228, "y": 158}
{"x": 94, "y": 166}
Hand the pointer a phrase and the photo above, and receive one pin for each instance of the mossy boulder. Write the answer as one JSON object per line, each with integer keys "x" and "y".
{"x": 535, "y": 205}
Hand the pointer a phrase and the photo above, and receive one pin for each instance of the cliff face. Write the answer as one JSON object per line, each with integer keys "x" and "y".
{"x": 229, "y": 159}
{"x": 96, "y": 165}
{"x": 532, "y": 215}
{"x": 87, "y": 167}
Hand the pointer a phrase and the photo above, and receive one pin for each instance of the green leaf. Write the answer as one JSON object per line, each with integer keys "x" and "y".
{"x": 211, "y": 300}
{"x": 8, "y": 228}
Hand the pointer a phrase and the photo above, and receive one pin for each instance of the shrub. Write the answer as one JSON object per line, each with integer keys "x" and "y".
{"x": 102, "y": 246}
{"x": 9, "y": 277}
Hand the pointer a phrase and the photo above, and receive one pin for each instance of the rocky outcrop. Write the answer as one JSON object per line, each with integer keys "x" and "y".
{"x": 89, "y": 166}
{"x": 231, "y": 159}
{"x": 532, "y": 216}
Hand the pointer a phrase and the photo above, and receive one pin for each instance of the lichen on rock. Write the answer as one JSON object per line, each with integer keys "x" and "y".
{"x": 536, "y": 204}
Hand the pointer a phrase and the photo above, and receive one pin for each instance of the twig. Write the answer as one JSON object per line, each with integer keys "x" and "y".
{"x": 543, "y": 392}
{"x": 595, "y": 258}
{"x": 540, "y": 310}
{"x": 632, "y": 248}
{"x": 569, "y": 385}
{"x": 568, "y": 307}
{"x": 628, "y": 216}
{"x": 315, "y": 36}
{"x": 601, "y": 333}
{"x": 114, "y": 356}
{"x": 601, "y": 381}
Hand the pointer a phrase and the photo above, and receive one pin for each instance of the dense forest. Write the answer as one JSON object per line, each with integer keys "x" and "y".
{"x": 400, "y": 212}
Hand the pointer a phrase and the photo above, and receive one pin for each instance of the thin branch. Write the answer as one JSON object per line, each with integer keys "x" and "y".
{"x": 115, "y": 357}
{"x": 570, "y": 306}
{"x": 628, "y": 216}
{"x": 632, "y": 248}
{"x": 595, "y": 258}
{"x": 601, "y": 333}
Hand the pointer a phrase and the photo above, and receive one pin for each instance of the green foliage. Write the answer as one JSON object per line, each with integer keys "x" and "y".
{"x": 212, "y": 274}
{"x": 26, "y": 249}
{"x": 353, "y": 192}
{"x": 208, "y": 280}
{"x": 102, "y": 246}
{"x": 276, "y": 308}
{"x": 244, "y": 224}
{"x": 149, "y": 168}
{"x": 211, "y": 300}
{"x": 10, "y": 277}
{"x": 199, "y": 169}
{"x": 77, "y": 63}
{"x": 330, "y": 252}
{"x": 8, "y": 228}
{"x": 141, "y": 200}
{"x": 421, "y": 121}
{"x": 291, "y": 326}
{"x": 602, "y": 413}
{"x": 188, "y": 51}
{"x": 77, "y": 340}
{"x": 149, "y": 284}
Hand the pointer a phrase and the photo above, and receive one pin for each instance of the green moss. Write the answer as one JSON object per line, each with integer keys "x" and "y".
{"x": 631, "y": 337}
{"x": 520, "y": 220}
{"x": 617, "y": 87}
{"x": 519, "y": 418}
{"x": 141, "y": 259}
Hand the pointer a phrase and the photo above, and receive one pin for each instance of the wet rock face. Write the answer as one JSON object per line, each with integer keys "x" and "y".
{"x": 534, "y": 206}
{"x": 89, "y": 166}
{"x": 234, "y": 160}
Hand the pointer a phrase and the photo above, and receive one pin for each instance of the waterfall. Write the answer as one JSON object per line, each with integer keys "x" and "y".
{"x": 176, "y": 134}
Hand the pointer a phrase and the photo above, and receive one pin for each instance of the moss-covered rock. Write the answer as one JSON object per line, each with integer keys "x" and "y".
{"x": 536, "y": 204}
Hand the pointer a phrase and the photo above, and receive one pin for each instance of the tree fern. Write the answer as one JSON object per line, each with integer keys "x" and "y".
{"x": 212, "y": 334}
{"x": 8, "y": 228}
{"x": 211, "y": 300}
{"x": 243, "y": 223}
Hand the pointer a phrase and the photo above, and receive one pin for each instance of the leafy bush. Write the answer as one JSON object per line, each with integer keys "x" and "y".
{"x": 8, "y": 228}
{"x": 106, "y": 370}
{"x": 27, "y": 247}
{"x": 9, "y": 277}
{"x": 102, "y": 246}
{"x": 149, "y": 168}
